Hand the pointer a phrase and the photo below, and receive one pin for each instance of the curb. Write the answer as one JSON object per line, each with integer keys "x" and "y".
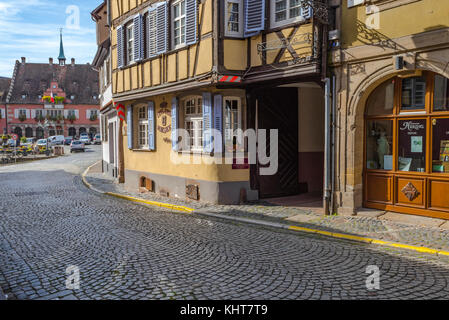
{"x": 266, "y": 223}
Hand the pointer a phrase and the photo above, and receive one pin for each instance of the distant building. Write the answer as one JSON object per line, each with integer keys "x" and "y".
{"x": 46, "y": 99}
{"x": 5, "y": 83}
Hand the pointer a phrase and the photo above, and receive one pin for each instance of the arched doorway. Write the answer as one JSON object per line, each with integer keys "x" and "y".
{"x": 18, "y": 131}
{"x": 40, "y": 133}
{"x": 82, "y": 130}
{"x": 407, "y": 146}
{"x": 92, "y": 132}
{"x": 72, "y": 132}
{"x": 29, "y": 132}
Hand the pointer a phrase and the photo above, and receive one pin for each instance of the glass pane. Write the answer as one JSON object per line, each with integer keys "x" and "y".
{"x": 412, "y": 145}
{"x": 441, "y": 94}
{"x": 440, "y": 145}
{"x": 413, "y": 93}
{"x": 379, "y": 141}
{"x": 381, "y": 101}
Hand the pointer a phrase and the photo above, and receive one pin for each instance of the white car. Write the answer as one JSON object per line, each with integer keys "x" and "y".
{"x": 56, "y": 140}
{"x": 85, "y": 139}
{"x": 77, "y": 145}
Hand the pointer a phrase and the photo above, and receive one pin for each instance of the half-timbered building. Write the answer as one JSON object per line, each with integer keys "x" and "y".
{"x": 224, "y": 65}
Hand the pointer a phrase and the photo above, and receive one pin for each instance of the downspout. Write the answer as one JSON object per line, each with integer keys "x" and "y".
{"x": 327, "y": 147}
{"x": 334, "y": 127}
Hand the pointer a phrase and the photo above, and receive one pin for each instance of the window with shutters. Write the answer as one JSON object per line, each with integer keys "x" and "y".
{"x": 179, "y": 23}
{"x": 284, "y": 12}
{"x": 142, "y": 127}
{"x": 130, "y": 43}
{"x": 234, "y": 16}
{"x": 193, "y": 122}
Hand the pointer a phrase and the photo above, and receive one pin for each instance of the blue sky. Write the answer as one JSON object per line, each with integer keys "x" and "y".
{"x": 30, "y": 28}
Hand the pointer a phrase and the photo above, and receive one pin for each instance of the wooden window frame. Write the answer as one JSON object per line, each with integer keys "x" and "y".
{"x": 398, "y": 115}
{"x": 229, "y": 33}
{"x": 172, "y": 24}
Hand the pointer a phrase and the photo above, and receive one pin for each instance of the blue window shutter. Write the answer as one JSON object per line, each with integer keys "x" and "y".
{"x": 191, "y": 21}
{"x": 151, "y": 33}
{"x": 174, "y": 124}
{"x": 207, "y": 122}
{"x": 306, "y": 13}
{"x": 162, "y": 25}
{"x": 151, "y": 126}
{"x": 129, "y": 122}
{"x": 218, "y": 122}
{"x": 254, "y": 17}
{"x": 138, "y": 37}
{"x": 120, "y": 47}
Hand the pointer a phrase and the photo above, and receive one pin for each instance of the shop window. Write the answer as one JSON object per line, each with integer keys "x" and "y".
{"x": 413, "y": 93}
{"x": 381, "y": 101}
{"x": 441, "y": 94}
{"x": 412, "y": 145}
{"x": 440, "y": 135}
{"x": 379, "y": 142}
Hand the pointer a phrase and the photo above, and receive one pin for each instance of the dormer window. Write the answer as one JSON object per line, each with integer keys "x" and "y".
{"x": 24, "y": 96}
{"x": 72, "y": 97}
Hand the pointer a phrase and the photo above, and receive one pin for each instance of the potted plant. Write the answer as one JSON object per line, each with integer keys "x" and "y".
{"x": 93, "y": 117}
{"x": 39, "y": 118}
{"x": 71, "y": 118}
{"x": 22, "y": 117}
{"x": 59, "y": 100}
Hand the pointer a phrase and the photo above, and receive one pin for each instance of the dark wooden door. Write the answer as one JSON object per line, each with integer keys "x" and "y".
{"x": 278, "y": 109}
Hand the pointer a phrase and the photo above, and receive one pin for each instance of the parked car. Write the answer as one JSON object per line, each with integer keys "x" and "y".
{"x": 85, "y": 138}
{"x": 76, "y": 146}
{"x": 68, "y": 141}
{"x": 97, "y": 139}
{"x": 56, "y": 140}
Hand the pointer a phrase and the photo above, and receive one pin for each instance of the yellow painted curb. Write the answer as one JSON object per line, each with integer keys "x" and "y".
{"x": 153, "y": 203}
{"x": 371, "y": 241}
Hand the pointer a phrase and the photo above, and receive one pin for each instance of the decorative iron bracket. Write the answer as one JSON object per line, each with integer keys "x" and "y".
{"x": 320, "y": 9}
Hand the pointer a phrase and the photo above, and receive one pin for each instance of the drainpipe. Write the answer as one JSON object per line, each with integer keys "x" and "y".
{"x": 334, "y": 139}
{"x": 327, "y": 147}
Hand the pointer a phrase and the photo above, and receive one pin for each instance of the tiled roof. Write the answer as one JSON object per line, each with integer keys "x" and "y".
{"x": 4, "y": 87}
{"x": 33, "y": 79}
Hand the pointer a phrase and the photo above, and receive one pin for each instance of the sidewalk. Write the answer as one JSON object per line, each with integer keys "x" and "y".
{"x": 372, "y": 224}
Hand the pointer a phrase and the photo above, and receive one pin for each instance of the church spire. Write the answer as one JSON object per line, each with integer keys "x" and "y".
{"x": 61, "y": 57}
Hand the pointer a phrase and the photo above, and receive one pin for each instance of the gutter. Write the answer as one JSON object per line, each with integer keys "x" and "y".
{"x": 327, "y": 149}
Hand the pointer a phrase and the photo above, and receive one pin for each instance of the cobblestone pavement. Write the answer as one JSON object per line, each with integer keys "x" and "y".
{"x": 49, "y": 221}
{"x": 372, "y": 227}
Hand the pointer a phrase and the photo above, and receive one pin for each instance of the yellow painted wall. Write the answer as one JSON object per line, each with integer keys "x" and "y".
{"x": 413, "y": 18}
{"x": 158, "y": 161}
{"x": 235, "y": 57}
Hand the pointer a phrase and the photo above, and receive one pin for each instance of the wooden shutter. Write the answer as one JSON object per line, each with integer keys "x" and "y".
{"x": 16, "y": 113}
{"x": 120, "y": 46}
{"x": 218, "y": 123}
{"x": 138, "y": 38}
{"x": 151, "y": 125}
{"x": 27, "y": 113}
{"x": 207, "y": 122}
{"x": 129, "y": 123}
{"x": 306, "y": 13}
{"x": 162, "y": 24}
{"x": 77, "y": 114}
{"x": 254, "y": 17}
{"x": 151, "y": 32}
{"x": 174, "y": 124}
{"x": 33, "y": 113}
{"x": 191, "y": 21}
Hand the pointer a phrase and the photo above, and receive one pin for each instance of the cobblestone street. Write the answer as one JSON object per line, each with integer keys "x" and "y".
{"x": 50, "y": 221}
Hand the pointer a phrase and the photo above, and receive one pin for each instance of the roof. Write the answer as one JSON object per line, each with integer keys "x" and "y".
{"x": 97, "y": 10}
{"x": 102, "y": 53}
{"x": 33, "y": 79}
{"x": 4, "y": 88}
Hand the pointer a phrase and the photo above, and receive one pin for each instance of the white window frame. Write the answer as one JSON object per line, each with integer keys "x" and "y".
{"x": 230, "y": 33}
{"x": 226, "y": 123}
{"x": 180, "y": 18}
{"x": 274, "y": 24}
{"x": 142, "y": 122}
{"x": 195, "y": 144}
{"x": 128, "y": 45}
